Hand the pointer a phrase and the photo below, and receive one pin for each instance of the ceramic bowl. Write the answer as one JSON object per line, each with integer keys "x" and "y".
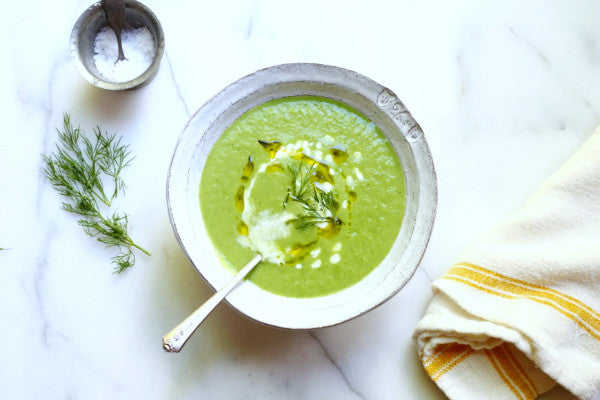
{"x": 92, "y": 21}
{"x": 377, "y": 103}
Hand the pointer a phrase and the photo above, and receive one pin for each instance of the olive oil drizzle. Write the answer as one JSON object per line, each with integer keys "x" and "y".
{"x": 299, "y": 252}
{"x": 320, "y": 172}
{"x": 239, "y": 202}
{"x": 242, "y": 229}
{"x": 275, "y": 167}
{"x": 319, "y": 205}
{"x": 271, "y": 146}
{"x": 239, "y": 199}
{"x": 339, "y": 154}
{"x": 248, "y": 169}
{"x": 352, "y": 196}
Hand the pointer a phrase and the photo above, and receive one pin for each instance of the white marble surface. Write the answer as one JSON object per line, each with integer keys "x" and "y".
{"x": 505, "y": 92}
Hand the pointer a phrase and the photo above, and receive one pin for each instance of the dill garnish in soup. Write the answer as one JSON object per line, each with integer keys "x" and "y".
{"x": 310, "y": 184}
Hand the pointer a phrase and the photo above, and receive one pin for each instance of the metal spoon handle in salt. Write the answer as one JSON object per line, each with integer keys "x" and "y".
{"x": 115, "y": 16}
{"x": 174, "y": 340}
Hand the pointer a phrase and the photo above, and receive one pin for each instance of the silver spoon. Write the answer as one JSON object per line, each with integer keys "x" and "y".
{"x": 174, "y": 340}
{"x": 115, "y": 16}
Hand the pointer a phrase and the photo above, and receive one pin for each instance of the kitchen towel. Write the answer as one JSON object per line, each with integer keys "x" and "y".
{"x": 520, "y": 311}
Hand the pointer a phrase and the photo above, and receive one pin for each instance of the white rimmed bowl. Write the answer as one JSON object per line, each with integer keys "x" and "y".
{"x": 377, "y": 103}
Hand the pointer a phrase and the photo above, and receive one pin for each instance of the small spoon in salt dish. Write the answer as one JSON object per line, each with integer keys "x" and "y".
{"x": 174, "y": 340}
{"x": 115, "y": 16}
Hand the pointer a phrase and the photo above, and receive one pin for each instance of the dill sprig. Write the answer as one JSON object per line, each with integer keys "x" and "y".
{"x": 319, "y": 205}
{"x": 300, "y": 186}
{"x": 80, "y": 170}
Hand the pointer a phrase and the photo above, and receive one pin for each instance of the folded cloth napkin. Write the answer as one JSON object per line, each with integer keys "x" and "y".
{"x": 521, "y": 311}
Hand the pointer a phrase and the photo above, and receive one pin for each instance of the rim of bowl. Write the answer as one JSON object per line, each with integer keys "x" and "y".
{"x": 310, "y": 312}
{"x": 98, "y": 80}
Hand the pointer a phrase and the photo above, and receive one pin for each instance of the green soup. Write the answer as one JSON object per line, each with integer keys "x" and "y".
{"x": 310, "y": 184}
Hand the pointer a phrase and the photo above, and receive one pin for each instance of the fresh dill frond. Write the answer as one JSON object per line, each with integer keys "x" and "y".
{"x": 80, "y": 170}
{"x": 301, "y": 184}
{"x": 319, "y": 205}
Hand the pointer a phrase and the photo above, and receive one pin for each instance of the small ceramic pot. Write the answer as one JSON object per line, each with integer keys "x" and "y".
{"x": 92, "y": 21}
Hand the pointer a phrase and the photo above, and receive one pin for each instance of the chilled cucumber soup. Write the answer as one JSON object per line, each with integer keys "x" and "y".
{"x": 310, "y": 184}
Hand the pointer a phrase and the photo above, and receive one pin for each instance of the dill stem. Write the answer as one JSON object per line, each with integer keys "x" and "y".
{"x": 102, "y": 197}
{"x": 131, "y": 242}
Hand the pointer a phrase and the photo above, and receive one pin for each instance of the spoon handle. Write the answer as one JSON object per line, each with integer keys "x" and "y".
{"x": 121, "y": 55}
{"x": 115, "y": 13}
{"x": 174, "y": 340}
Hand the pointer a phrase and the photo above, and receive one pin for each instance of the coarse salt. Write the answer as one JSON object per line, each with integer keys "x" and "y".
{"x": 138, "y": 47}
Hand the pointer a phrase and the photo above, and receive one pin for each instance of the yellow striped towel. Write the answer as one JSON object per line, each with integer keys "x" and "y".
{"x": 521, "y": 311}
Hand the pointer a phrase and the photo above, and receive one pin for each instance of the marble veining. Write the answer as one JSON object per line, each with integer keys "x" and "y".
{"x": 168, "y": 60}
{"x": 503, "y": 91}
{"x": 424, "y": 271}
{"x": 529, "y": 44}
{"x": 334, "y": 363}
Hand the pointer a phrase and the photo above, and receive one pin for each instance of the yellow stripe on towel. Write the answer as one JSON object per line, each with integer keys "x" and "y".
{"x": 511, "y": 372}
{"x": 504, "y": 286}
{"x": 444, "y": 358}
